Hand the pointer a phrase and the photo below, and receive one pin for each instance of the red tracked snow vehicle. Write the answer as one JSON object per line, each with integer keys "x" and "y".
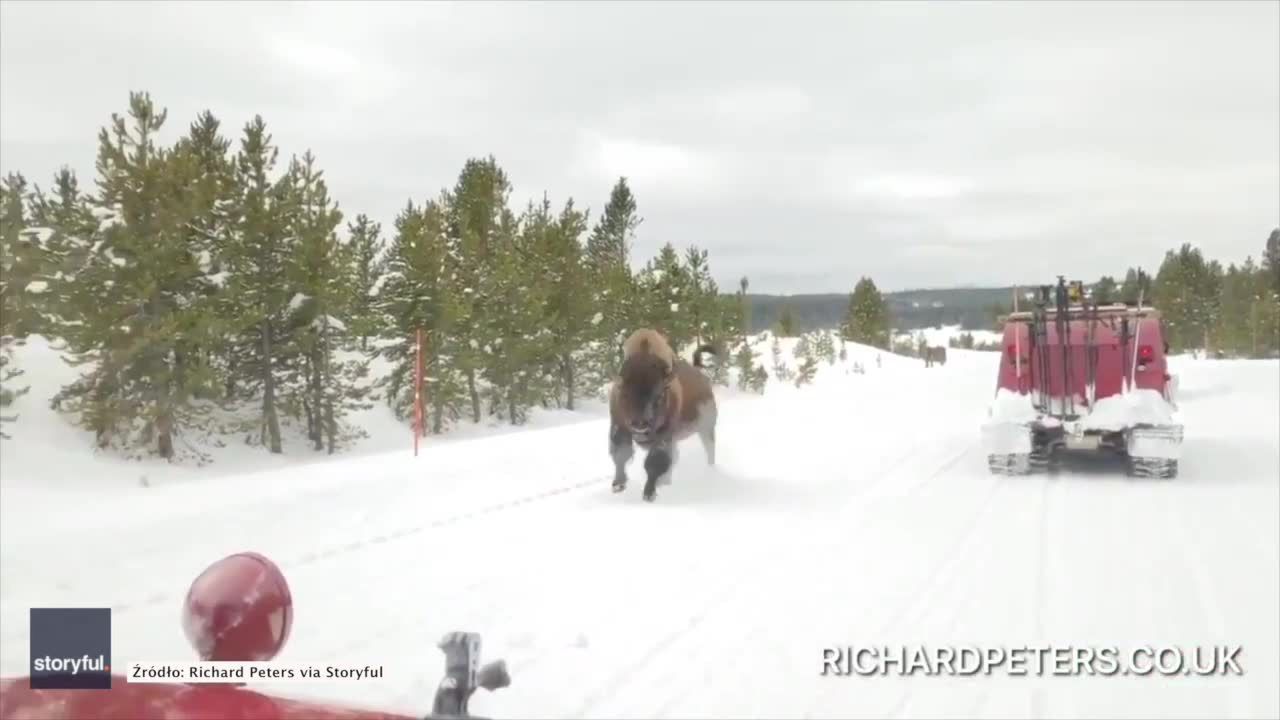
{"x": 239, "y": 609}
{"x": 1079, "y": 376}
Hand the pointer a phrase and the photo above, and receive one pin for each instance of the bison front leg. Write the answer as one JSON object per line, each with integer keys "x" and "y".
{"x": 658, "y": 465}
{"x": 621, "y": 449}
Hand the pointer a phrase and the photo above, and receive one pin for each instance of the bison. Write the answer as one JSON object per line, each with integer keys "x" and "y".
{"x": 656, "y": 401}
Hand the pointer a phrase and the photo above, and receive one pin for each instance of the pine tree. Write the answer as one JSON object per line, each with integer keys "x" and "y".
{"x": 1105, "y": 291}
{"x": 513, "y": 344}
{"x": 759, "y": 380}
{"x": 1271, "y": 264}
{"x": 803, "y": 348}
{"x": 614, "y": 295}
{"x": 867, "y": 317}
{"x": 417, "y": 294}
{"x": 562, "y": 265}
{"x": 12, "y": 221}
{"x": 664, "y": 290}
{"x": 824, "y": 347}
{"x": 780, "y": 368}
{"x": 321, "y": 388}
{"x": 24, "y": 254}
{"x": 808, "y": 368}
{"x": 259, "y": 255}
{"x": 201, "y": 355}
{"x": 745, "y": 361}
{"x": 363, "y": 253}
{"x": 137, "y": 292}
{"x": 480, "y": 230}
{"x": 1137, "y": 285}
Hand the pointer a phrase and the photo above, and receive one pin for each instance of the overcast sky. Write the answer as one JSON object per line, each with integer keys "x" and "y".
{"x": 923, "y": 144}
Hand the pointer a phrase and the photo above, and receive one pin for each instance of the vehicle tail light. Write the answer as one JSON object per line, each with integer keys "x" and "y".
{"x": 1146, "y": 354}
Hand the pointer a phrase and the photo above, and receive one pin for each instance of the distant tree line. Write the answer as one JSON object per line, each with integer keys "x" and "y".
{"x": 1226, "y": 311}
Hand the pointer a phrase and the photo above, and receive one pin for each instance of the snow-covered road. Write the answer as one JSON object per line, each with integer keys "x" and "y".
{"x": 858, "y": 511}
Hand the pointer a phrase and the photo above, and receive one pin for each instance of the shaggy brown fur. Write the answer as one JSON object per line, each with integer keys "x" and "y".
{"x": 935, "y": 355}
{"x": 657, "y": 401}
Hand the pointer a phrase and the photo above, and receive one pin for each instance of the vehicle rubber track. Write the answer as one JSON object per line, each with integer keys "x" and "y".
{"x": 1161, "y": 468}
{"x": 1036, "y": 462}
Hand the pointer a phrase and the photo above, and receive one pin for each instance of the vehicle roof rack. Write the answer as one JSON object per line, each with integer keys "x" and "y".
{"x": 1112, "y": 309}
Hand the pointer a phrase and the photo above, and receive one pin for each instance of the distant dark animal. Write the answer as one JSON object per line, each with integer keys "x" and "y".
{"x": 657, "y": 401}
{"x": 935, "y": 355}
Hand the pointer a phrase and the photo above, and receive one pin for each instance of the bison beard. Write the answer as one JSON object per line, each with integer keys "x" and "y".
{"x": 657, "y": 401}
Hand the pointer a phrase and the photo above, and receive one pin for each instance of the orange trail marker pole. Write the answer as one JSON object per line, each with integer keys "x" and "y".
{"x": 424, "y": 386}
{"x": 417, "y": 393}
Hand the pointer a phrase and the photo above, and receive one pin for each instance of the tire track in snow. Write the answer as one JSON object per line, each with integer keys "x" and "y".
{"x": 752, "y": 567}
{"x": 764, "y": 573}
{"x": 1040, "y": 604}
{"x": 1206, "y": 597}
{"x": 768, "y": 633}
{"x": 924, "y": 590}
{"x": 289, "y": 565}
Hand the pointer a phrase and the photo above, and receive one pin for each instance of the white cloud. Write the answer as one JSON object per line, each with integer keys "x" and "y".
{"x": 1008, "y": 132}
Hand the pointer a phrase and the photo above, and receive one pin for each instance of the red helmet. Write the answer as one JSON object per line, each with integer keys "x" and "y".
{"x": 239, "y": 609}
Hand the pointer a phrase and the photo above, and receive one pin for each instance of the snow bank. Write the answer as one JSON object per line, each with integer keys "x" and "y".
{"x": 1139, "y": 407}
{"x": 1011, "y": 407}
{"x": 942, "y": 336}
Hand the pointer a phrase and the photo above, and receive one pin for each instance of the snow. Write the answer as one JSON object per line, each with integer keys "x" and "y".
{"x": 298, "y": 300}
{"x": 595, "y": 319}
{"x": 107, "y": 217}
{"x": 37, "y": 287}
{"x": 40, "y": 235}
{"x": 942, "y": 336}
{"x": 219, "y": 279}
{"x": 856, "y": 510}
{"x": 205, "y": 259}
{"x": 333, "y": 322}
{"x": 376, "y": 290}
{"x": 1128, "y": 409}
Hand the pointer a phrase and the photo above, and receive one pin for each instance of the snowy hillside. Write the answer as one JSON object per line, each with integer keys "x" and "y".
{"x": 856, "y": 510}
{"x": 942, "y": 336}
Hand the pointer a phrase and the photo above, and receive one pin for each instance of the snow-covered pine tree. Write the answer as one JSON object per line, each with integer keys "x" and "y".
{"x": 867, "y": 318}
{"x": 780, "y": 369}
{"x": 66, "y": 219}
{"x": 759, "y": 380}
{"x": 200, "y": 355}
{"x": 11, "y": 223}
{"x": 555, "y": 252}
{"x": 137, "y": 292}
{"x": 515, "y": 345}
{"x": 26, "y": 259}
{"x": 478, "y": 219}
{"x": 322, "y": 386}
{"x": 259, "y": 252}
{"x": 803, "y": 348}
{"x": 825, "y": 347}
{"x": 614, "y": 293}
{"x": 416, "y": 293}
{"x": 808, "y": 368}
{"x": 364, "y": 253}
{"x": 745, "y": 362}
{"x": 665, "y": 289}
